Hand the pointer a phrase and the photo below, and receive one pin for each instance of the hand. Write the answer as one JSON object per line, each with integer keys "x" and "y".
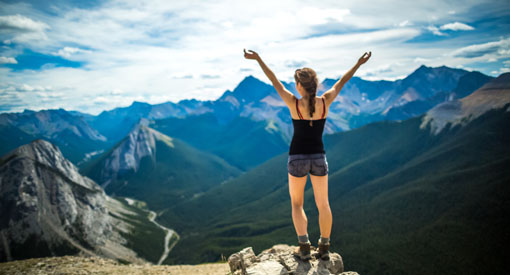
{"x": 364, "y": 58}
{"x": 252, "y": 55}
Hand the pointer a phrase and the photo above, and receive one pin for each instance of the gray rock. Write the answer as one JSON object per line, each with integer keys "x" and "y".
{"x": 48, "y": 208}
{"x": 280, "y": 260}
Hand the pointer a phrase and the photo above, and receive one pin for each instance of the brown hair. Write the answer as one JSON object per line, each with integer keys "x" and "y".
{"x": 308, "y": 79}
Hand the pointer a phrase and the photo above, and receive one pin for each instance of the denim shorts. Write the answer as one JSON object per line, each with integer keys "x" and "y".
{"x": 301, "y": 164}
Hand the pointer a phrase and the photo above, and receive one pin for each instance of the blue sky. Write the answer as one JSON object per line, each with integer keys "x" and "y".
{"x": 97, "y": 55}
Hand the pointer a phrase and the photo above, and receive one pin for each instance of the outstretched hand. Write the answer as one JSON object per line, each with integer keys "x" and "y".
{"x": 252, "y": 55}
{"x": 364, "y": 58}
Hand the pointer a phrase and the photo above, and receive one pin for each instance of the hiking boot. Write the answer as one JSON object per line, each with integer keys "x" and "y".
{"x": 323, "y": 251}
{"x": 303, "y": 251}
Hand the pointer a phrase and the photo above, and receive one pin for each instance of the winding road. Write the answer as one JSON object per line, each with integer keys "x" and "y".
{"x": 168, "y": 236}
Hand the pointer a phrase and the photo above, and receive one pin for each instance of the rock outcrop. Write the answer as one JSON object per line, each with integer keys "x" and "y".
{"x": 48, "y": 208}
{"x": 280, "y": 260}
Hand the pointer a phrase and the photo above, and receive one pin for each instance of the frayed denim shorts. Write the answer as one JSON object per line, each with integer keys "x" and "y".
{"x": 301, "y": 164}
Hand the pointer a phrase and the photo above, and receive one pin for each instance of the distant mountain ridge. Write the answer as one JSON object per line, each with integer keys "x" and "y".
{"x": 360, "y": 102}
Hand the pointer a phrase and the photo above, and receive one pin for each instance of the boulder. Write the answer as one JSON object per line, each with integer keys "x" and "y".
{"x": 279, "y": 259}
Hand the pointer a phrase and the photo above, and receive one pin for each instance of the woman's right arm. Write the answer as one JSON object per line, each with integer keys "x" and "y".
{"x": 332, "y": 93}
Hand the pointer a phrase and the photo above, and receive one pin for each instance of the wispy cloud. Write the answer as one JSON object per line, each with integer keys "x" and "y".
{"x": 499, "y": 49}
{"x": 456, "y": 26}
{"x": 159, "y": 50}
{"x": 435, "y": 30}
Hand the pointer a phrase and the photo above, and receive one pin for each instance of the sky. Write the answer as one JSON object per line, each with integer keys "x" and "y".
{"x": 92, "y": 56}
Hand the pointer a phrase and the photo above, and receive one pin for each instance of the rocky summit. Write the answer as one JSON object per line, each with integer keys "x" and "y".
{"x": 280, "y": 260}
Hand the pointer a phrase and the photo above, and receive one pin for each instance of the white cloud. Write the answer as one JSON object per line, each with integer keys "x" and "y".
{"x": 456, "y": 26}
{"x": 67, "y": 52}
{"x": 22, "y": 29}
{"x": 158, "y": 51}
{"x": 8, "y": 60}
{"x": 420, "y": 60}
{"x": 21, "y": 23}
{"x": 405, "y": 23}
{"x": 498, "y": 49}
{"x": 435, "y": 30}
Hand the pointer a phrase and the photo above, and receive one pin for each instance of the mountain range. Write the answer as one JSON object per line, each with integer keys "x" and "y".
{"x": 406, "y": 197}
{"x": 249, "y": 116}
{"x": 406, "y": 191}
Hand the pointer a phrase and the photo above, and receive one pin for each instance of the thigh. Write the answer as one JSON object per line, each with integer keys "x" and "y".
{"x": 297, "y": 189}
{"x": 320, "y": 190}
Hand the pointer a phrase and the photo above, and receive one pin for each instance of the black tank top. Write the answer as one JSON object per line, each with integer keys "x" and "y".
{"x": 307, "y": 139}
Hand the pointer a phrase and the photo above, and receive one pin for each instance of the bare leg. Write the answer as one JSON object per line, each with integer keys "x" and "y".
{"x": 296, "y": 190}
{"x": 320, "y": 191}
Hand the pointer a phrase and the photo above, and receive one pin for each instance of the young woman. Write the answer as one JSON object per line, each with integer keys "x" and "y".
{"x": 306, "y": 153}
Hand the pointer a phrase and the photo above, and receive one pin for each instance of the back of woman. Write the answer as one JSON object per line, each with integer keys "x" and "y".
{"x": 306, "y": 152}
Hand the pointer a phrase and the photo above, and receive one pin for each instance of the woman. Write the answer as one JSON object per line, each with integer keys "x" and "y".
{"x": 306, "y": 153}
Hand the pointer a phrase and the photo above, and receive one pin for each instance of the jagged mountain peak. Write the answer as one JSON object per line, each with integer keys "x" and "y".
{"x": 251, "y": 89}
{"x": 140, "y": 142}
{"x": 143, "y": 133}
{"x": 47, "y": 154}
{"x": 423, "y": 70}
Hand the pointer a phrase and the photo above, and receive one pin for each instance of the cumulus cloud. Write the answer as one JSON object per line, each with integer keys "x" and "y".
{"x": 8, "y": 60}
{"x": 456, "y": 26}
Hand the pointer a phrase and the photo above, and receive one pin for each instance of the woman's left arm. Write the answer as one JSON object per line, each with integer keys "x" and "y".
{"x": 285, "y": 94}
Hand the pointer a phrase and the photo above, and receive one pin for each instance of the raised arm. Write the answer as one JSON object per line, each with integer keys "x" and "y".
{"x": 332, "y": 93}
{"x": 285, "y": 94}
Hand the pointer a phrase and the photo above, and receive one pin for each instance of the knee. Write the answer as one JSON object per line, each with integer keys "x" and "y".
{"x": 297, "y": 204}
{"x": 323, "y": 206}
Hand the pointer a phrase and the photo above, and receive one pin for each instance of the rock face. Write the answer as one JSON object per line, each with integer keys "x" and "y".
{"x": 280, "y": 260}
{"x": 126, "y": 156}
{"x": 48, "y": 208}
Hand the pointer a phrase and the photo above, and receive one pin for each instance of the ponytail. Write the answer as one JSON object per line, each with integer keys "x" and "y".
{"x": 311, "y": 105}
{"x": 308, "y": 79}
